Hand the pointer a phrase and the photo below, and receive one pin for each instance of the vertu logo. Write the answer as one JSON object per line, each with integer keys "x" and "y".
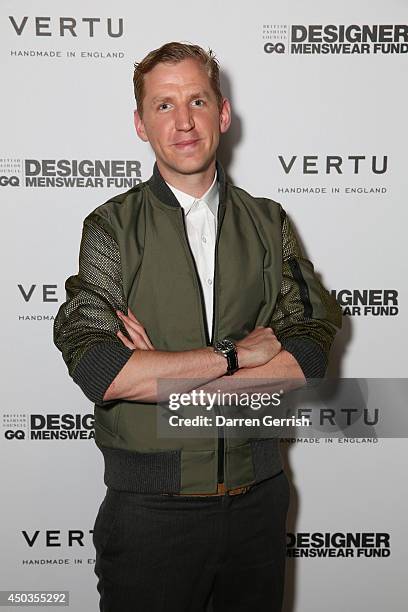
{"x": 67, "y": 26}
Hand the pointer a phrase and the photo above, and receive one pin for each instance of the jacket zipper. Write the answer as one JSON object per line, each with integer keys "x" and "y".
{"x": 200, "y": 289}
{"x": 220, "y": 449}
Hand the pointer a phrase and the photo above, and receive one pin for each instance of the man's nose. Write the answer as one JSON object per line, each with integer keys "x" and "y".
{"x": 184, "y": 118}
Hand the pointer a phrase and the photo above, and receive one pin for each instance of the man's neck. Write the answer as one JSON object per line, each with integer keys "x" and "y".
{"x": 193, "y": 184}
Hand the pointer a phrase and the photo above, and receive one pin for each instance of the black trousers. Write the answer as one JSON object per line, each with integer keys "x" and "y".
{"x": 158, "y": 553}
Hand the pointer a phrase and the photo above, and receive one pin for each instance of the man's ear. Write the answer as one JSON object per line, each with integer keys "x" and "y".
{"x": 139, "y": 125}
{"x": 225, "y": 115}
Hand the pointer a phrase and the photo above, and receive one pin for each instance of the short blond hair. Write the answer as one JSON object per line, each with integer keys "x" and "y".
{"x": 172, "y": 53}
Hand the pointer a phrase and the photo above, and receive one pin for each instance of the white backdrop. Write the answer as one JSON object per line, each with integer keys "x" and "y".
{"x": 67, "y": 95}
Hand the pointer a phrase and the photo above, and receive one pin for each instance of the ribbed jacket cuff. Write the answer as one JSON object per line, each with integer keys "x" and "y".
{"x": 98, "y": 367}
{"x": 310, "y": 357}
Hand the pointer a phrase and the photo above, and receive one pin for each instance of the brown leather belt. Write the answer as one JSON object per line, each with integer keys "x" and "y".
{"x": 221, "y": 490}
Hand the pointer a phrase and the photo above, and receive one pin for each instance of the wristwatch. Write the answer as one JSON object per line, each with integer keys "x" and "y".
{"x": 228, "y": 349}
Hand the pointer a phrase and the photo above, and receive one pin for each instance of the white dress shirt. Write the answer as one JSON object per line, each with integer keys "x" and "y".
{"x": 201, "y": 225}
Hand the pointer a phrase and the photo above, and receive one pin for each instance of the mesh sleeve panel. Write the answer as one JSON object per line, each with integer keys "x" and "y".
{"x": 306, "y": 316}
{"x": 86, "y": 323}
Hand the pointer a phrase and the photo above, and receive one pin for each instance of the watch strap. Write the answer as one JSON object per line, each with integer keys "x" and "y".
{"x": 227, "y": 348}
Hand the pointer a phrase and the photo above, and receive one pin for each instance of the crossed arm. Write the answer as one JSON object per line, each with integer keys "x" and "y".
{"x": 108, "y": 365}
{"x": 260, "y": 355}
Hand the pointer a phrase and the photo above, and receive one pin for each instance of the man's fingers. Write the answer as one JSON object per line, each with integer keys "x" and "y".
{"x": 125, "y": 340}
{"x": 136, "y": 341}
{"x": 146, "y": 340}
{"x": 132, "y": 316}
{"x": 141, "y": 330}
{"x": 149, "y": 344}
{"x": 137, "y": 334}
{"x": 132, "y": 324}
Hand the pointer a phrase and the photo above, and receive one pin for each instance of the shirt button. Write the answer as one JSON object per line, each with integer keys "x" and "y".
{"x": 209, "y": 281}
{"x": 204, "y": 239}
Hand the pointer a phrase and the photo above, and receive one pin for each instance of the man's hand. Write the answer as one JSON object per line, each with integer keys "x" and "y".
{"x": 136, "y": 331}
{"x": 258, "y": 347}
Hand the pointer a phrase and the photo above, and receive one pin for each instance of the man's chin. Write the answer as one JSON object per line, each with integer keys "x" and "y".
{"x": 190, "y": 166}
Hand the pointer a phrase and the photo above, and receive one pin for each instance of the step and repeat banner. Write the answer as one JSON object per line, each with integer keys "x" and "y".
{"x": 319, "y": 96}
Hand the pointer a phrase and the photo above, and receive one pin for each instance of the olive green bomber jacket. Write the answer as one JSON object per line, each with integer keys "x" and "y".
{"x": 134, "y": 252}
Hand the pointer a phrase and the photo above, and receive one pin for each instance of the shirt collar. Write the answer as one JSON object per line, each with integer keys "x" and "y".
{"x": 210, "y": 197}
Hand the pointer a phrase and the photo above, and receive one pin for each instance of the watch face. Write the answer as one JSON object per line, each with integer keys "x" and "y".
{"x": 225, "y": 345}
{"x": 228, "y": 349}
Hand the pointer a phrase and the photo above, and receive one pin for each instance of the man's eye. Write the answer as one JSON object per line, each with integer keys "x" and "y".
{"x": 164, "y": 106}
{"x": 198, "y": 102}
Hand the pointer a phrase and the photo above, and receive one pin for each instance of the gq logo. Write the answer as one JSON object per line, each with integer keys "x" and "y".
{"x": 13, "y": 181}
{"x": 274, "y": 48}
{"x": 17, "y": 435}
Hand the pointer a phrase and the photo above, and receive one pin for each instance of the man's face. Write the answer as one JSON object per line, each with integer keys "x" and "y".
{"x": 181, "y": 117}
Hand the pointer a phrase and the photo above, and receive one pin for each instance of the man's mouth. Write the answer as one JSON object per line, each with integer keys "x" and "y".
{"x": 185, "y": 144}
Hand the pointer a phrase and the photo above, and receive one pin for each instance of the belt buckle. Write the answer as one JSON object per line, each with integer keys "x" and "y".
{"x": 235, "y": 491}
{"x": 221, "y": 490}
{"x": 239, "y": 490}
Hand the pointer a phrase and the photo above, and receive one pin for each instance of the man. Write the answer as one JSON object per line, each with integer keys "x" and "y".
{"x": 186, "y": 276}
